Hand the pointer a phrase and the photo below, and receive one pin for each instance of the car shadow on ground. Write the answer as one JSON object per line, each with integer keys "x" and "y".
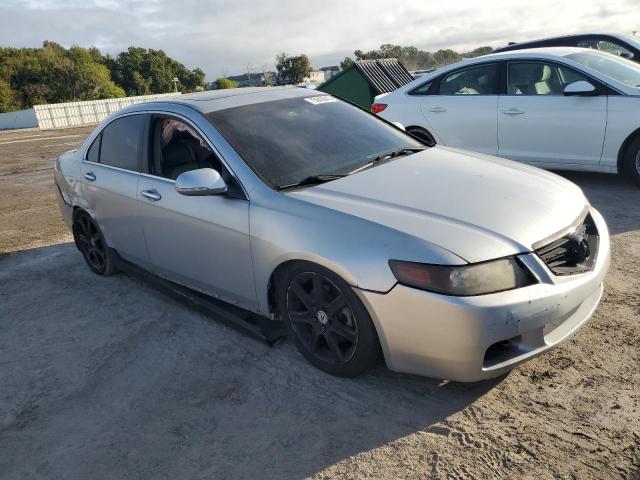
{"x": 617, "y": 199}
{"x": 105, "y": 377}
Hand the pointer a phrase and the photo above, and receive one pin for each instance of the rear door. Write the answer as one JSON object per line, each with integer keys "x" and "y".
{"x": 110, "y": 171}
{"x": 201, "y": 242}
{"x": 460, "y": 108}
{"x": 537, "y": 123}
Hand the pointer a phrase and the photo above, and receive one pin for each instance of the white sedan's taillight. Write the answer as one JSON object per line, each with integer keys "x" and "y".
{"x": 378, "y": 107}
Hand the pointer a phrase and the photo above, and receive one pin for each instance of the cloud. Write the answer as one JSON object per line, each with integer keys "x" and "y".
{"x": 224, "y": 36}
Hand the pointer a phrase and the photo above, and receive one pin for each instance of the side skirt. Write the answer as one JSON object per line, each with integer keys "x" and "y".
{"x": 256, "y": 326}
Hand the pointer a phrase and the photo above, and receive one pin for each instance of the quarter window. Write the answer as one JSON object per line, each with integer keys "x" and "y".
{"x": 120, "y": 146}
{"x": 539, "y": 78}
{"x": 476, "y": 80}
{"x": 93, "y": 154}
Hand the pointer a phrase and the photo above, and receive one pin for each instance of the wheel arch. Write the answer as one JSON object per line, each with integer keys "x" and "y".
{"x": 623, "y": 149}
{"x": 285, "y": 264}
{"x": 423, "y": 129}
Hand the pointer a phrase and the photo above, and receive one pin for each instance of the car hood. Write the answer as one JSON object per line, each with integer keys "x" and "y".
{"x": 476, "y": 206}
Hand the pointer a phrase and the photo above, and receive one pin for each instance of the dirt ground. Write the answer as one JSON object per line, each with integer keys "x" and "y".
{"x": 106, "y": 378}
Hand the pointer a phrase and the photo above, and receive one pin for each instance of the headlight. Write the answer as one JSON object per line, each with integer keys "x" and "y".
{"x": 463, "y": 280}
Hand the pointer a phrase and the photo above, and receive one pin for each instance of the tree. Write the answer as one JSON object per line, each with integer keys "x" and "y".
{"x": 346, "y": 63}
{"x": 415, "y": 59}
{"x": 226, "y": 83}
{"x": 292, "y": 70}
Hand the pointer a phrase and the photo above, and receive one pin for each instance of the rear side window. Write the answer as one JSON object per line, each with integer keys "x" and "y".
{"x": 93, "y": 154}
{"x": 476, "y": 80}
{"x": 120, "y": 145}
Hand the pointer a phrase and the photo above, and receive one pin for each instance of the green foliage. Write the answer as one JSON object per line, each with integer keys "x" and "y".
{"x": 415, "y": 59}
{"x": 53, "y": 74}
{"x": 226, "y": 83}
{"x": 346, "y": 63}
{"x": 292, "y": 70}
{"x": 141, "y": 72}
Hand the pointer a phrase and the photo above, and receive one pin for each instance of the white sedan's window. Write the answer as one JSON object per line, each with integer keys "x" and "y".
{"x": 476, "y": 80}
{"x": 539, "y": 78}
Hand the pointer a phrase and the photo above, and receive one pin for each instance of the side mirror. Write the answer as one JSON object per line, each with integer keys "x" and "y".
{"x": 627, "y": 55}
{"x": 204, "y": 181}
{"x": 581, "y": 87}
{"x": 399, "y": 125}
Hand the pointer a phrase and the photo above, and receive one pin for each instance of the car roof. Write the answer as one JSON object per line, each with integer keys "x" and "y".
{"x": 575, "y": 36}
{"x": 214, "y": 100}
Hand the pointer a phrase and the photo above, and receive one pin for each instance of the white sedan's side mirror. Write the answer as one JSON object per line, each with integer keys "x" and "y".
{"x": 581, "y": 87}
{"x": 200, "y": 182}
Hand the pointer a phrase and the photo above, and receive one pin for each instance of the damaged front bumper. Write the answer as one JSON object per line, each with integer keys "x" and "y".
{"x": 475, "y": 338}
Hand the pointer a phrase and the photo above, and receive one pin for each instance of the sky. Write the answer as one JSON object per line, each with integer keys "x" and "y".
{"x": 224, "y": 37}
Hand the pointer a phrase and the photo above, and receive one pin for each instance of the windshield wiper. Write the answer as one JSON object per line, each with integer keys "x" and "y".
{"x": 387, "y": 156}
{"x": 313, "y": 180}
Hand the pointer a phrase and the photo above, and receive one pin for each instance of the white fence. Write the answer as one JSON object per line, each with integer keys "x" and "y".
{"x": 72, "y": 114}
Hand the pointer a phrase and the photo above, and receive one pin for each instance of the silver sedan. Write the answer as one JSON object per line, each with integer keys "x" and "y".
{"x": 297, "y": 206}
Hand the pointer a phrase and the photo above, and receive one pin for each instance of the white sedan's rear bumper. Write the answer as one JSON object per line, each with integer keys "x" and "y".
{"x": 455, "y": 337}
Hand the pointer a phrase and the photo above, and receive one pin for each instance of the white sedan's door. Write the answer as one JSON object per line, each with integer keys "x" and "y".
{"x": 462, "y": 113}
{"x": 538, "y": 124}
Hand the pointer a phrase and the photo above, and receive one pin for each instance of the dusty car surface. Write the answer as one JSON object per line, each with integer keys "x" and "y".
{"x": 298, "y": 206}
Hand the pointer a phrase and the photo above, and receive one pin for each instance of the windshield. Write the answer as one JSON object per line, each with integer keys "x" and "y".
{"x": 286, "y": 141}
{"x": 620, "y": 69}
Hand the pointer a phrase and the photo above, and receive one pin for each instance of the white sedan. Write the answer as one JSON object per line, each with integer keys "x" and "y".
{"x": 555, "y": 108}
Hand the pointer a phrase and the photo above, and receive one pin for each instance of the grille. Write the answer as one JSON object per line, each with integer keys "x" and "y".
{"x": 574, "y": 252}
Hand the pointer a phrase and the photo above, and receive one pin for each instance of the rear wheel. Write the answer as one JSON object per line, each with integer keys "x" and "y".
{"x": 422, "y": 135}
{"x": 91, "y": 243}
{"x": 326, "y": 321}
{"x": 631, "y": 161}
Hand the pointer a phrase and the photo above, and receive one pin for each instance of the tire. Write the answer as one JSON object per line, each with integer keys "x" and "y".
{"x": 631, "y": 161}
{"x": 422, "y": 135}
{"x": 327, "y": 322}
{"x": 91, "y": 243}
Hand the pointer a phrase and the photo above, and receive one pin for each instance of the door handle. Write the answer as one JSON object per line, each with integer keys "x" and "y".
{"x": 513, "y": 111}
{"x": 152, "y": 195}
{"x": 437, "y": 109}
{"x": 90, "y": 176}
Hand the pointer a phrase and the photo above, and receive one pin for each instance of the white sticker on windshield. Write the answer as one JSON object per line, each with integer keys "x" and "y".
{"x": 320, "y": 99}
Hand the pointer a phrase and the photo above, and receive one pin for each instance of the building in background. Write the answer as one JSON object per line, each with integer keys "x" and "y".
{"x": 364, "y": 79}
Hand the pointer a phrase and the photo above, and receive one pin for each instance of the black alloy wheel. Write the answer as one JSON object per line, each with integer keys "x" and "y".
{"x": 91, "y": 243}
{"x": 328, "y": 324}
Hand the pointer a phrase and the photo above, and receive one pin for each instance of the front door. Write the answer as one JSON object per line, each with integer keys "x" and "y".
{"x": 203, "y": 241}
{"x": 538, "y": 124}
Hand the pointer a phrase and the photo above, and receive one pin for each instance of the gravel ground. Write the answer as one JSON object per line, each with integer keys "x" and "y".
{"x": 106, "y": 378}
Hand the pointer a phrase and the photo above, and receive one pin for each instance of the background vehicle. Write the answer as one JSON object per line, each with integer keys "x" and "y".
{"x": 302, "y": 207}
{"x": 621, "y": 45}
{"x": 555, "y": 108}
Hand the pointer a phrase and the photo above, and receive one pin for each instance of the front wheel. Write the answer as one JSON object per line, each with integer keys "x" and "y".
{"x": 326, "y": 321}
{"x": 631, "y": 161}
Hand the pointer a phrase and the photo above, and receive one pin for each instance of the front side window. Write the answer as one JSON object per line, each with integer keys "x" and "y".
{"x": 539, "y": 78}
{"x": 285, "y": 141}
{"x": 120, "y": 146}
{"x": 614, "y": 67}
{"x": 178, "y": 148}
{"x": 476, "y": 80}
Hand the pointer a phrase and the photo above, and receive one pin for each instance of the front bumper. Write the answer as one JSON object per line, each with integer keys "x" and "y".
{"x": 475, "y": 338}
